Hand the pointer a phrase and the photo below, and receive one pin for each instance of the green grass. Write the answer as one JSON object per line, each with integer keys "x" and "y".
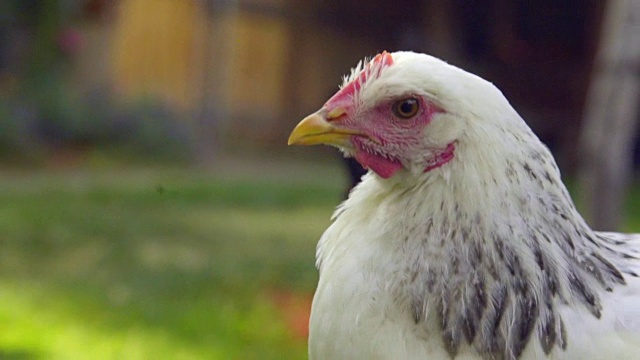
{"x": 632, "y": 219}
{"x": 160, "y": 264}
{"x": 155, "y": 265}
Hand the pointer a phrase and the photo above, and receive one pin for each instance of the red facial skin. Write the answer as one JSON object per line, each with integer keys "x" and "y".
{"x": 389, "y": 141}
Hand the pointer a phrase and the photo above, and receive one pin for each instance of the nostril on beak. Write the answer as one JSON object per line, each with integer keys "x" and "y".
{"x": 335, "y": 113}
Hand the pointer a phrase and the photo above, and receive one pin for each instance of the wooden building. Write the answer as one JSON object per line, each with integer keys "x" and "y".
{"x": 253, "y": 67}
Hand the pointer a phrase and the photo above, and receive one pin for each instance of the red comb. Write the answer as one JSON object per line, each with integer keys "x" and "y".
{"x": 384, "y": 58}
{"x": 378, "y": 63}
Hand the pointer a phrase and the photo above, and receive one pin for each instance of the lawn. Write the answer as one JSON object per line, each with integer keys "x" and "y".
{"x": 157, "y": 263}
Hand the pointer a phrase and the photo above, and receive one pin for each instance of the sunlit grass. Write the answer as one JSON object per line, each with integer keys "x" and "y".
{"x": 161, "y": 266}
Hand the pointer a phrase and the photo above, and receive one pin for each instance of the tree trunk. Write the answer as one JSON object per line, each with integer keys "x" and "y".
{"x": 610, "y": 122}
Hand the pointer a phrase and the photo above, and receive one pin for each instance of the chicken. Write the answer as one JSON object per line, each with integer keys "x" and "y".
{"x": 461, "y": 242}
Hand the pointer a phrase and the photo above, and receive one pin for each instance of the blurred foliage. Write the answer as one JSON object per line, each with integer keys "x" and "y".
{"x": 144, "y": 130}
{"x": 42, "y": 111}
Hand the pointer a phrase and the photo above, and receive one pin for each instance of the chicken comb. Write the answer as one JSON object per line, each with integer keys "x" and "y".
{"x": 361, "y": 73}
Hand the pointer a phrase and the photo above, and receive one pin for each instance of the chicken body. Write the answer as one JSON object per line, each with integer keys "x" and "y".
{"x": 367, "y": 297}
{"x": 461, "y": 242}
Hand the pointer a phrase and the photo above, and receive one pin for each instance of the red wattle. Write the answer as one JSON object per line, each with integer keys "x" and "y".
{"x": 380, "y": 165}
{"x": 442, "y": 158}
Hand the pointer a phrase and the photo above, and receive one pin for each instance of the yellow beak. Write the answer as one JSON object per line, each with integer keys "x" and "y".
{"x": 318, "y": 129}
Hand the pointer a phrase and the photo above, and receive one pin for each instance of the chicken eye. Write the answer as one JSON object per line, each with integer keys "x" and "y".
{"x": 406, "y": 108}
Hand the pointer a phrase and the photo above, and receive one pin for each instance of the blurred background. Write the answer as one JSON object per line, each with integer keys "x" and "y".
{"x": 149, "y": 206}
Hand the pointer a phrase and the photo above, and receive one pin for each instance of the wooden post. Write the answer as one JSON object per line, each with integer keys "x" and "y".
{"x": 212, "y": 113}
{"x": 610, "y": 121}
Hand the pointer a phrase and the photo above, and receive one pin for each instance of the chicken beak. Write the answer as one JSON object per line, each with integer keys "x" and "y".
{"x": 318, "y": 128}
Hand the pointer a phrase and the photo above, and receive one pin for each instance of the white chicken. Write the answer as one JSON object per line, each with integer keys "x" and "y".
{"x": 462, "y": 241}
